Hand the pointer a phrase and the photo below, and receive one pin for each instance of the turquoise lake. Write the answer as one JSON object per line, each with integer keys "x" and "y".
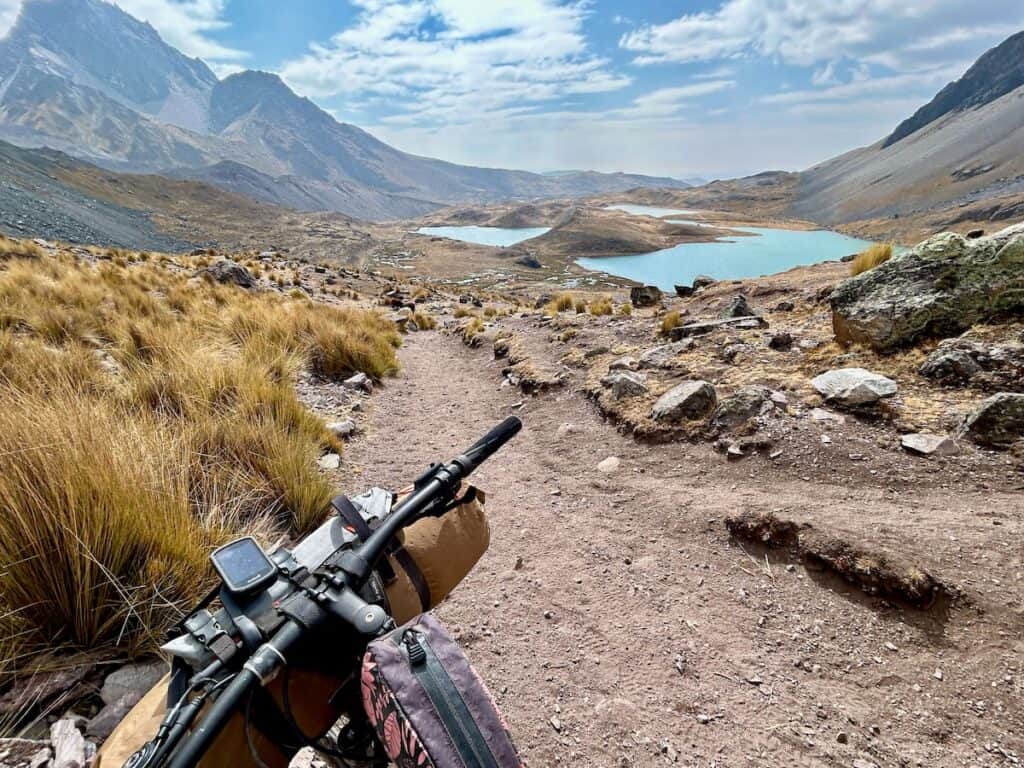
{"x": 497, "y": 236}
{"x": 765, "y": 252}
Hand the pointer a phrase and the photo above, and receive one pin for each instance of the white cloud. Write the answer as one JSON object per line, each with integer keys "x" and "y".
{"x": 858, "y": 89}
{"x": 897, "y": 33}
{"x": 715, "y": 74}
{"x": 184, "y": 24}
{"x": 447, "y": 61}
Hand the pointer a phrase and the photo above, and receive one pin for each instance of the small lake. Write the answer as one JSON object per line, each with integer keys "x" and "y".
{"x": 765, "y": 252}
{"x": 647, "y": 210}
{"x": 497, "y": 236}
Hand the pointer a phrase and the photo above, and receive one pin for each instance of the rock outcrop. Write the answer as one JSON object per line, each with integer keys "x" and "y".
{"x": 644, "y": 295}
{"x": 993, "y": 367}
{"x": 939, "y": 288}
{"x": 231, "y": 273}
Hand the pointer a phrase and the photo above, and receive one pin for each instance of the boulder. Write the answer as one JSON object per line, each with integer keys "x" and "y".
{"x": 502, "y": 344}
{"x": 625, "y": 384}
{"x": 529, "y": 261}
{"x": 703, "y": 281}
{"x": 853, "y": 387}
{"x": 682, "y": 291}
{"x": 664, "y": 356}
{"x": 231, "y": 272}
{"x": 785, "y": 306}
{"x": 738, "y": 307}
{"x": 781, "y": 341}
{"x": 740, "y": 407}
{"x": 132, "y": 679}
{"x": 645, "y": 295}
{"x": 929, "y": 445}
{"x": 997, "y": 422}
{"x": 939, "y": 288}
{"x": 689, "y": 400}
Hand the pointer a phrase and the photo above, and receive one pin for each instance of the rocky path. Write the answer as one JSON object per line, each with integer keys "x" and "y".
{"x": 619, "y": 625}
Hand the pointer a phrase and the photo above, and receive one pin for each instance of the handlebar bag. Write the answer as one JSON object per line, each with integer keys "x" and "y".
{"x": 427, "y": 704}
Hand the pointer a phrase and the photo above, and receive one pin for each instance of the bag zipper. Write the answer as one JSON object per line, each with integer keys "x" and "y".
{"x": 468, "y": 741}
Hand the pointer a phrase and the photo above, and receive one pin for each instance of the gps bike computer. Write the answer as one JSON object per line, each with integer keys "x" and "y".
{"x": 243, "y": 566}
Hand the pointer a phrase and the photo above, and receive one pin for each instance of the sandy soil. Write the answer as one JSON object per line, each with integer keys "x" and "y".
{"x": 634, "y": 631}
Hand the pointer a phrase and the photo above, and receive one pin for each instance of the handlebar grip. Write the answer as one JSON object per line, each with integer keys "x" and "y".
{"x": 489, "y": 444}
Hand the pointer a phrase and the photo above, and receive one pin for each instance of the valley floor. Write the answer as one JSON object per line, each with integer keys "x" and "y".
{"x": 618, "y": 624}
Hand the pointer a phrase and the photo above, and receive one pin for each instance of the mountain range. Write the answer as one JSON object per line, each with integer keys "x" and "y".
{"x": 86, "y": 78}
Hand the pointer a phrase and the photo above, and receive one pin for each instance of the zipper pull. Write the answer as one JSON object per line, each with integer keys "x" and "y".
{"x": 415, "y": 649}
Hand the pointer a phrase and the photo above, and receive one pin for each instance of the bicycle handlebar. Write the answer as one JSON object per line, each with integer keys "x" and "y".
{"x": 443, "y": 484}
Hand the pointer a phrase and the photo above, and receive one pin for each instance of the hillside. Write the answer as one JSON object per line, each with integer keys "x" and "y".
{"x": 86, "y": 78}
{"x": 967, "y": 144}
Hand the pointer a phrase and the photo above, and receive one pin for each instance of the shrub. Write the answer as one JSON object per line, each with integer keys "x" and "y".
{"x": 463, "y": 311}
{"x": 626, "y": 309}
{"x": 879, "y": 253}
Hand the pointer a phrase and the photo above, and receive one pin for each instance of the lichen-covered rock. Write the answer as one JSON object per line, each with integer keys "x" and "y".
{"x": 741, "y": 406}
{"x": 625, "y": 384}
{"x": 939, "y": 288}
{"x": 644, "y": 295}
{"x": 994, "y": 367}
{"x": 689, "y": 400}
{"x": 998, "y": 422}
{"x": 231, "y": 272}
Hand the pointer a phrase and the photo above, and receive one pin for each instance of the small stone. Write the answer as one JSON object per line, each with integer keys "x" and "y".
{"x": 566, "y": 429}
{"x": 623, "y": 364}
{"x": 556, "y": 724}
{"x": 938, "y": 674}
{"x": 329, "y": 461}
{"x": 843, "y": 737}
{"x": 929, "y": 445}
{"x": 132, "y": 680}
{"x": 342, "y": 429}
{"x": 548, "y": 615}
{"x": 360, "y": 381}
{"x": 703, "y": 719}
{"x": 518, "y": 564}
{"x": 609, "y": 465}
{"x": 69, "y": 746}
{"x": 781, "y": 341}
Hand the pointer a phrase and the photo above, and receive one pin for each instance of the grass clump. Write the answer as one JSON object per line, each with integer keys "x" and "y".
{"x": 602, "y": 305}
{"x": 871, "y": 257}
{"x": 424, "y": 320}
{"x": 626, "y": 309}
{"x": 145, "y": 418}
{"x": 561, "y": 303}
{"x": 463, "y": 311}
{"x": 670, "y": 320}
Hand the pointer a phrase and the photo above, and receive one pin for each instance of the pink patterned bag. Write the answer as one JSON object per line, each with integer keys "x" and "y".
{"x": 427, "y": 704}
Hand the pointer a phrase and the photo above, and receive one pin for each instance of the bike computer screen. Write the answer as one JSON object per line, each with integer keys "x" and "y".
{"x": 243, "y": 566}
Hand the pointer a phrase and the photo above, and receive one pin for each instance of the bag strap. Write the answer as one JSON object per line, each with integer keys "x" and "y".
{"x": 348, "y": 512}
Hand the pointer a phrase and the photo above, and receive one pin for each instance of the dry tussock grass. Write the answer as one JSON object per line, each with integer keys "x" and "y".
{"x": 879, "y": 253}
{"x": 144, "y": 418}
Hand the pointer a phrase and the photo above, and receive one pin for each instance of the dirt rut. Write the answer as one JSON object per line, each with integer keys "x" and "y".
{"x": 634, "y": 631}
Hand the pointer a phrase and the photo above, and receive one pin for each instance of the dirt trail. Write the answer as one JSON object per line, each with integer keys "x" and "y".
{"x": 636, "y": 633}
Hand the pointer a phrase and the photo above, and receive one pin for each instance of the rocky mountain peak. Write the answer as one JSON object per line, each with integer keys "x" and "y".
{"x": 998, "y": 71}
{"x": 96, "y": 45}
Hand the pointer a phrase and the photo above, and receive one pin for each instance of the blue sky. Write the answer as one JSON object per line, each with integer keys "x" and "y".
{"x": 700, "y": 87}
